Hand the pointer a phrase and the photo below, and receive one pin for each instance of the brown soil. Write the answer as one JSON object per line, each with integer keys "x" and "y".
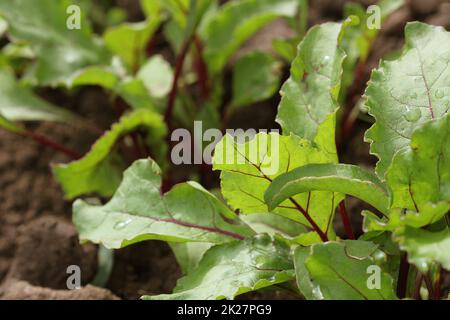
{"x": 37, "y": 240}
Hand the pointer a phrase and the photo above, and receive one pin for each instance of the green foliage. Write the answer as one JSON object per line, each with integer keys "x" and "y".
{"x": 129, "y": 40}
{"x": 425, "y": 248}
{"x": 19, "y": 103}
{"x": 100, "y": 170}
{"x": 243, "y": 184}
{"x": 272, "y": 222}
{"x": 60, "y": 51}
{"x": 310, "y": 95}
{"x": 256, "y": 77}
{"x": 347, "y": 179}
{"x": 360, "y": 37}
{"x": 420, "y": 173}
{"x": 405, "y": 93}
{"x": 156, "y": 75}
{"x": 239, "y": 267}
{"x": 339, "y": 271}
{"x": 235, "y": 22}
{"x": 138, "y": 211}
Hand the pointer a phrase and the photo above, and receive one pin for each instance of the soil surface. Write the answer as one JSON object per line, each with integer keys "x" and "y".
{"x": 37, "y": 239}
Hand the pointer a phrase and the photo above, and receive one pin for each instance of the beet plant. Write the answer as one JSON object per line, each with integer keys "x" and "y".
{"x": 271, "y": 224}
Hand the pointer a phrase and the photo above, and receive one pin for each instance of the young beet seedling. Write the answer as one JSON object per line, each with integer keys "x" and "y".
{"x": 404, "y": 240}
{"x": 281, "y": 191}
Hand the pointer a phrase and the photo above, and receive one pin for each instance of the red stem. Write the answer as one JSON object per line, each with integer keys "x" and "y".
{"x": 402, "y": 282}
{"x": 311, "y": 221}
{"x": 346, "y": 221}
{"x": 177, "y": 74}
{"x": 347, "y": 121}
{"x": 201, "y": 68}
{"x": 42, "y": 140}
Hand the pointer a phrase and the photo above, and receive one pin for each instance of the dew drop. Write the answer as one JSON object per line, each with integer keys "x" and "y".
{"x": 439, "y": 94}
{"x": 412, "y": 115}
{"x": 326, "y": 60}
{"x": 122, "y": 224}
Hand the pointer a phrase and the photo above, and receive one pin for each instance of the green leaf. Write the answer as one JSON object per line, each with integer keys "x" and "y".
{"x": 420, "y": 173}
{"x": 256, "y": 77}
{"x": 19, "y": 103}
{"x": 134, "y": 92}
{"x": 339, "y": 271}
{"x": 128, "y": 41}
{"x": 105, "y": 77}
{"x": 424, "y": 247}
{"x": 304, "y": 283}
{"x": 100, "y": 170}
{"x": 273, "y": 225}
{"x": 157, "y": 76}
{"x": 430, "y": 213}
{"x": 189, "y": 254}
{"x": 407, "y": 92}
{"x": 237, "y": 21}
{"x": 342, "y": 178}
{"x": 138, "y": 211}
{"x": 60, "y": 51}
{"x": 310, "y": 95}
{"x": 235, "y": 268}
{"x": 248, "y": 169}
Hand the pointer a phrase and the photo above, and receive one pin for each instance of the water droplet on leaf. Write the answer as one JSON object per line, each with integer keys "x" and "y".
{"x": 122, "y": 224}
{"x": 412, "y": 115}
{"x": 439, "y": 93}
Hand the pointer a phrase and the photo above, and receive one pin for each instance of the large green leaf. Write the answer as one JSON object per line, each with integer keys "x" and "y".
{"x": 256, "y": 77}
{"x": 19, "y": 103}
{"x": 405, "y": 93}
{"x": 273, "y": 225}
{"x": 420, "y": 173}
{"x": 424, "y": 247}
{"x": 339, "y": 271}
{"x": 235, "y": 22}
{"x": 139, "y": 211}
{"x": 429, "y": 213}
{"x": 100, "y": 170}
{"x": 60, "y": 51}
{"x": 235, "y": 268}
{"x": 248, "y": 169}
{"x": 309, "y": 96}
{"x": 343, "y": 178}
